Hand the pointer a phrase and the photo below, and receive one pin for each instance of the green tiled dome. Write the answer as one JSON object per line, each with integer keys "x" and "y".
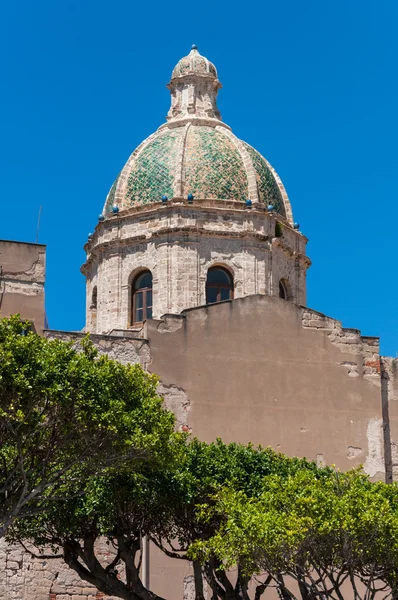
{"x": 213, "y": 166}
{"x": 208, "y": 162}
{"x": 152, "y": 172}
{"x": 267, "y": 185}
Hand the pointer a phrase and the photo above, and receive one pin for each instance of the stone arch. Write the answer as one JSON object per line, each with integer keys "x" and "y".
{"x": 94, "y": 298}
{"x": 136, "y": 271}
{"x": 223, "y": 264}
{"x": 220, "y": 283}
{"x": 285, "y": 289}
{"x": 92, "y": 309}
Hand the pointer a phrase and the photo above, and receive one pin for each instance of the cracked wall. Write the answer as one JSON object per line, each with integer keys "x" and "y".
{"x": 128, "y": 349}
{"x": 125, "y": 349}
{"x": 264, "y": 370}
{"x": 389, "y": 392}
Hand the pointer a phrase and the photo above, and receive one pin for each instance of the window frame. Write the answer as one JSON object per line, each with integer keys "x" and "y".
{"x": 220, "y": 286}
{"x": 144, "y": 291}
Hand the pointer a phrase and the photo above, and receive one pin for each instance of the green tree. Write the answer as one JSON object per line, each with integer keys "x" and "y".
{"x": 312, "y": 536}
{"x": 66, "y": 415}
{"x": 162, "y": 502}
{"x": 250, "y": 520}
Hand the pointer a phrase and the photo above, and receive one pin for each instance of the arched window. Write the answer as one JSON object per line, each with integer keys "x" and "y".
{"x": 93, "y": 310}
{"x": 219, "y": 285}
{"x": 141, "y": 297}
{"x": 94, "y": 299}
{"x": 283, "y": 293}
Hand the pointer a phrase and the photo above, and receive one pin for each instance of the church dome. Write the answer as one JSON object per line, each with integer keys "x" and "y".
{"x": 196, "y": 153}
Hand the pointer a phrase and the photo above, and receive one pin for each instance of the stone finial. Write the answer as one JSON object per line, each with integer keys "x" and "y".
{"x": 194, "y": 86}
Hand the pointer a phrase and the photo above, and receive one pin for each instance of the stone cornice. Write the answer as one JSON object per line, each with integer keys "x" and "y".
{"x": 225, "y": 206}
{"x": 193, "y": 120}
{"x": 291, "y": 252}
{"x": 188, "y": 233}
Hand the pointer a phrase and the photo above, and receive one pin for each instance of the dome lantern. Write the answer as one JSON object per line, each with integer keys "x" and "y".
{"x": 194, "y": 86}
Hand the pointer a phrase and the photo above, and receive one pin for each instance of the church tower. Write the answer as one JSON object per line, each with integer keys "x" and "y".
{"x": 196, "y": 216}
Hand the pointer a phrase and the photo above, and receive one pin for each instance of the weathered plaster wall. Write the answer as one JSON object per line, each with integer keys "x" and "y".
{"x": 22, "y": 275}
{"x": 389, "y": 383}
{"x": 264, "y": 370}
{"x": 125, "y": 348}
{"x": 128, "y": 349}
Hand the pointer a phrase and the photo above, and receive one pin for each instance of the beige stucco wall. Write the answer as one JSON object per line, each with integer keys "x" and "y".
{"x": 263, "y": 370}
{"x": 22, "y": 275}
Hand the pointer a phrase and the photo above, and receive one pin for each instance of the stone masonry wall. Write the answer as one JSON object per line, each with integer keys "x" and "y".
{"x": 349, "y": 341}
{"x": 125, "y": 348}
{"x": 23, "y": 577}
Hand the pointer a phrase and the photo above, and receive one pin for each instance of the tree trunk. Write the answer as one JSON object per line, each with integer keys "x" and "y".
{"x": 198, "y": 577}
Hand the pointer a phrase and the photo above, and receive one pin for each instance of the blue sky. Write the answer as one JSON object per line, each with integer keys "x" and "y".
{"x": 312, "y": 85}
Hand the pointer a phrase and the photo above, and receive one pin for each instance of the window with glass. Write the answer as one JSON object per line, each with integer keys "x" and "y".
{"x": 142, "y": 297}
{"x": 219, "y": 285}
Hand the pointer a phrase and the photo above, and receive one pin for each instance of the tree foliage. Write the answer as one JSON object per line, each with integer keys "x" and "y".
{"x": 248, "y": 518}
{"x": 66, "y": 415}
{"x": 162, "y": 502}
{"x": 313, "y": 536}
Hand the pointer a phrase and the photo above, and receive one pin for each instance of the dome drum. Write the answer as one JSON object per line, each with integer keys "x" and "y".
{"x": 178, "y": 243}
